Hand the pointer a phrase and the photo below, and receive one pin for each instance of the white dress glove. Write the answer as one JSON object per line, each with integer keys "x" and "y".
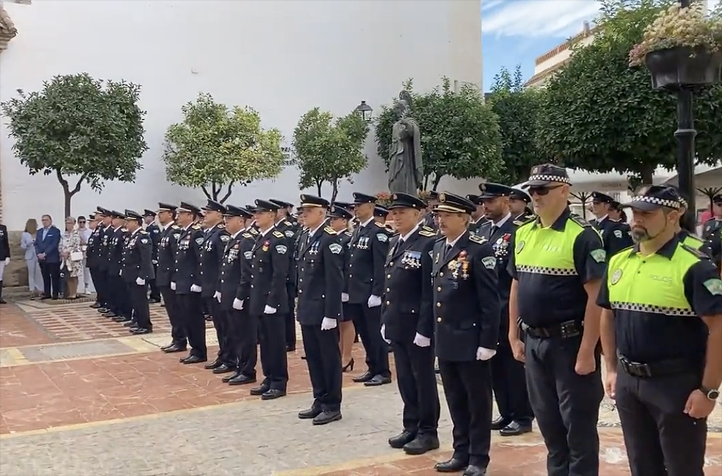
{"x": 217, "y": 296}
{"x": 196, "y": 289}
{"x": 237, "y": 304}
{"x": 140, "y": 281}
{"x": 344, "y": 297}
{"x": 422, "y": 341}
{"x": 328, "y": 323}
{"x": 7, "y": 261}
{"x": 483, "y": 353}
{"x": 269, "y": 310}
{"x": 120, "y": 273}
{"x": 172, "y": 286}
{"x": 374, "y": 301}
{"x": 383, "y": 333}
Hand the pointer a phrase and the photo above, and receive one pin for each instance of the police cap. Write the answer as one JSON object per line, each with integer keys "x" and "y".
{"x": 360, "y": 198}
{"x": 599, "y": 197}
{"x": 380, "y": 211}
{"x": 250, "y": 208}
{"x": 232, "y": 211}
{"x": 518, "y": 194}
{"x": 546, "y": 174}
{"x": 346, "y": 205}
{"x": 448, "y": 202}
{"x": 475, "y": 199}
{"x": 281, "y": 203}
{"x": 654, "y": 197}
{"x": 311, "y": 201}
{"x": 339, "y": 212}
{"x": 133, "y": 215}
{"x": 213, "y": 206}
{"x": 494, "y": 190}
{"x": 265, "y": 206}
{"x": 189, "y": 208}
{"x": 717, "y": 199}
{"x": 433, "y": 195}
{"x": 148, "y": 213}
{"x": 116, "y": 214}
{"x": 103, "y": 211}
{"x": 166, "y": 207}
{"x": 404, "y": 200}
{"x": 91, "y": 216}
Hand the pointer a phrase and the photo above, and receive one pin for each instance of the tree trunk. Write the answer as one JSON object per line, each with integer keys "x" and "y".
{"x": 426, "y": 182}
{"x": 647, "y": 175}
{"x": 435, "y": 184}
{"x": 334, "y": 190}
{"x": 67, "y": 192}
{"x": 229, "y": 191}
{"x": 318, "y": 187}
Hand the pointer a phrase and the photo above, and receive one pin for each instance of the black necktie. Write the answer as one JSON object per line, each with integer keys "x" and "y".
{"x": 397, "y": 247}
{"x": 447, "y": 250}
{"x": 494, "y": 229}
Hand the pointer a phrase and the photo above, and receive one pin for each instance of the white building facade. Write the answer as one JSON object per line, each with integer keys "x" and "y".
{"x": 280, "y": 57}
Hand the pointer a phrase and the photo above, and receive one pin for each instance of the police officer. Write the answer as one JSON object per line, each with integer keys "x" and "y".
{"x": 187, "y": 282}
{"x": 380, "y": 214}
{"x": 338, "y": 220}
{"x": 4, "y": 256}
{"x": 215, "y": 238}
{"x": 429, "y": 216}
{"x": 289, "y": 229}
{"x": 320, "y": 284}
{"x": 169, "y": 234}
{"x": 557, "y": 264}
{"x": 137, "y": 271}
{"x": 662, "y": 338}
{"x": 615, "y": 236}
{"x": 153, "y": 230}
{"x": 234, "y": 286}
{"x": 519, "y": 206}
{"x": 466, "y": 307}
{"x": 509, "y": 382}
{"x": 683, "y": 235}
{"x": 104, "y": 239}
{"x": 270, "y": 257}
{"x": 712, "y": 230}
{"x": 369, "y": 246}
{"x": 407, "y": 317}
{"x": 478, "y": 218}
{"x": 121, "y": 310}
{"x": 92, "y": 255}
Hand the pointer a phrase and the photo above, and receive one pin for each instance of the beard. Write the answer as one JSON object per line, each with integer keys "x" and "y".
{"x": 640, "y": 234}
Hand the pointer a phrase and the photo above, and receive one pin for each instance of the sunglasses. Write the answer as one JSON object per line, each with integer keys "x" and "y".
{"x": 541, "y": 191}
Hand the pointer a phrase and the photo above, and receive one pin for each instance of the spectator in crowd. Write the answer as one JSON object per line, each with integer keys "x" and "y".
{"x": 72, "y": 256}
{"x": 47, "y": 242}
{"x": 84, "y": 282}
{"x": 27, "y": 243}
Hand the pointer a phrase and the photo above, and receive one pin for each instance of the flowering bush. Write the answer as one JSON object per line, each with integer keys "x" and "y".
{"x": 383, "y": 199}
{"x": 678, "y": 26}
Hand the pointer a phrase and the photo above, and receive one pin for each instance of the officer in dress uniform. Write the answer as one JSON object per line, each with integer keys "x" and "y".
{"x": 92, "y": 255}
{"x": 615, "y": 235}
{"x": 380, "y": 214}
{"x": 407, "y": 317}
{"x": 170, "y": 232}
{"x": 187, "y": 282}
{"x": 103, "y": 248}
{"x": 234, "y": 286}
{"x": 509, "y": 382}
{"x": 519, "y": 205}
{"x": 289, "y": 229}
{"x": 320, "y": 284}
{"x": 712, "y": 230}
{"x": 252, "y": 209}
{"x": 212, "y": 248}
{"x": 557, "y": 266}
{"x": 661, "y": 333}
{"x": 153, "y": 230}
{"x": 369, "y": 246}
{"x": 466, "y": 307}
{"x": 431, "y": 201}
{"x": 478, "y": 218}
{"x": 338, "y": 220}
{"x": 120, "y": 310}
{"x": 4, "y": 256}
{"x": 137, "y": 271}
{"x": 268, "y": 300}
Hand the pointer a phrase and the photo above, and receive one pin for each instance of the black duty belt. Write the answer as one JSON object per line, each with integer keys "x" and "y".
{"x": 655, "y": 369}
{"x": 564, "y": 330}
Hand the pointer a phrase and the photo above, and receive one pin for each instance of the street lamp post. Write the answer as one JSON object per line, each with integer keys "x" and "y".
{"x": 365, "y": 111}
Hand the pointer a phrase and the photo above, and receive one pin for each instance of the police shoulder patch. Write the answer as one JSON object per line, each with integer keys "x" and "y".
{"x": 329, "y": 230}
{"x": 598, "y": 255}
{"x": 288, "y": 233}
{"x": 225, "y": 238}
{"x": 694, "y": 251}
{"x": 281, "y": 249}
{"x": 248, "y": 254}
{"x": 477, "y": 239}
{"x": 427, "y": 233}
{"x": 382, "y": 237}
{"x": 618, "y": 233}
{"x": 714, "y": 286}
{"x": 278, "y": 234}
{"x": 489, "y": 262}
{"x": 335, "y": 248}
{"x": 199, "y": 240}
{"x": 145, "y": 241}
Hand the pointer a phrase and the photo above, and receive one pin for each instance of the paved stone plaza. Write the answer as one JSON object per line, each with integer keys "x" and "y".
{"x": 79, "y": 396}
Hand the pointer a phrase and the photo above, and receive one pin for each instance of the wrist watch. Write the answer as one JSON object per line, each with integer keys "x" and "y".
{"x": 711, "y": 393}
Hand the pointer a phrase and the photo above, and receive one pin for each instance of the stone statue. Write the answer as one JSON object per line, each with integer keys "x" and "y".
{"x": 406, "y": 169}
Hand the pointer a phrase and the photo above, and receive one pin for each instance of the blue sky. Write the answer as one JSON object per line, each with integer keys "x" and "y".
{"x": 517, "y": 31}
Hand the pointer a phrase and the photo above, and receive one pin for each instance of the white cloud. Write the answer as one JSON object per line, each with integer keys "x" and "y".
{"x": 536, "y": 18}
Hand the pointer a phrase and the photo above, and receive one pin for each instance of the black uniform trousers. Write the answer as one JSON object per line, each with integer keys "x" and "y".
{"x": 660, "y": 439}
{"x": 291, "y": 316}
{"x": 153, "y": 286}
{"x": 509, "y": 383}
{"x": 566, "y": 405}
{"x": 98, "y": 280}
{"x": 417, "y": 386}
{"x": 120, "y": 297}
{"x": 139, "y": 302}
{"x": 170, "y": 298}
{"x": 220, "y": 323}
{"x": 51, "y": 278}
{"x": 191, "y": 311}
{"x": 367, "y": 321}
{"x": 467, "y": 386}
{"x": 323, "y": 358}
{"x": 272, "y": 337}
{"x": 243, "y": 340}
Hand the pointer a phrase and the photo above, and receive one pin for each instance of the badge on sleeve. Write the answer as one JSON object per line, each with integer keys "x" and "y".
{"x": 199, "y": 240}
{"x": 382, "y": 237}
{"x": 248, "y": 254}
{"x": 335, "y": 248}
{"x": 225, "y": 238}
{"x": 714, "y": 286}
{"x": 489, "y": 262}
{"x": 288, "y": 233}
{"x": 144, "y": 241}
{"x": 618, "y": 233}
{"x": 599, "y": 255}
{"x": 281, "y": 249}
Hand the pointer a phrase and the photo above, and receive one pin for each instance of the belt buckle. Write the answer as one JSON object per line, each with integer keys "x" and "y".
{"x": 644, "y": 370}
{"x": 568, "y": 330}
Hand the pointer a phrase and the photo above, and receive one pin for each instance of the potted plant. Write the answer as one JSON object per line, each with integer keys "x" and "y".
{"x": 682, "y": 48}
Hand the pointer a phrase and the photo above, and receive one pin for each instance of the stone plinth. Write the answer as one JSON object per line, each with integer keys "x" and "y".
{"x": 16, "y": 274}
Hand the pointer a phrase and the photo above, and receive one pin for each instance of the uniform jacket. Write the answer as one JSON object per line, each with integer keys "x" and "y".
{"x": 344, "y": 238}
{"x": 408, "y": 298}
{"x": 229, "y": 278}
{"x": 115, "y": 251}
{"x": 466, "y": 298}
{"x": 153, "y": 231}
{"x": 137, "y": 258}
{"x": 105, "y": 237}
{"x": 320, "y": 278}
{"x": 92, "y": 252}
{"x": 48, "y": 244}
{"x": 243, "y": 287}
{"x": 293, "y": 271}
{"x": 167, "y": 247}
{"x": 368, "y": 248}
{"x": 475, "y": 226}
{"x": 615, "y": 235}
{"x": 188, "y": 259}
{"x": 4, "y": 244}
{"x": 289, "y": 230}
{"x": 270, "y": 257}
{"x": 214, "y": 243}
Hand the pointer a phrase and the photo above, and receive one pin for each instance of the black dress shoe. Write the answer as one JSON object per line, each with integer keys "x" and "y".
{"x": 451, "y": 466}
{"x": 377, "y": 380}
{"x": 272, "y": 394}
{"x": 103, "y": 310}
{"x": 499, "y": 423}
{"x": 140, "y": 331}
{"x": 167, "y": 346}
{"x": 95, "y": 305}
{"x": 213, "y": 365}
{"x": 223, "y": 369}
{"x": 193, "y": 359}
{"x": 474, "y": 470}
{"x": 228, "y": 378}
{"x": 327, "y": 416}
{"x": 401, "y": 439}
{"x": 364, "y": 377}
{"x": 241, "y": 379}
{"x": 260, "y": 390}
{"x": 126, "y": 323}
{"x": 309, "y": 413}
{"x": 109, "y": 314}
{"x": 515, "y": 429}
{"x": 174, "y": 348}
{"x": 422, "y": 444}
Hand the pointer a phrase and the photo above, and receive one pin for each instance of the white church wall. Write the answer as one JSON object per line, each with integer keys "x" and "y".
{"x": 280, "y": 57}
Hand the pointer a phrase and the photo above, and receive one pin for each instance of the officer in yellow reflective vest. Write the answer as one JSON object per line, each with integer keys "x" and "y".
{"x": 661, "y": 332}
{"x": 557, "y": 265}
{"x": 689, "y": 239}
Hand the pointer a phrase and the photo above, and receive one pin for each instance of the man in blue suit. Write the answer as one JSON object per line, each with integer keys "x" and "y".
{"x": 46, "y": 247}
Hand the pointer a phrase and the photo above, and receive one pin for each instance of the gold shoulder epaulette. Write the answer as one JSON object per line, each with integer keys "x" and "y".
{"x": 380, "y": 225}
{"x": 246, "y": 235}
{"x": 175, "y": 227}
{"x": 253, "y": 231}
{"x": 427, "y": 233}
{"x": 347, "y": 233}
{"x": 694, "y": 251}
{"x": 477, "y": 239}
{"x": 196, "y": 226}
{"x": 143, "y": 232}
{"x": 278, "y": 234}
{"x": 329, "y": 230}
{"x": 579, "y": 220}
{"x": 287, "y": 223}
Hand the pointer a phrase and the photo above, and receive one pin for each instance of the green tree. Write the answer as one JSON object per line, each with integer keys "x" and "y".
{"x": 80, "y": 129}
{"x": 460, "y": 134}
{"x": 328, "y": 151}
{"x": 518, "y": 109}
{"x": 601, "y": 115}
{"x": 217, "y": 147}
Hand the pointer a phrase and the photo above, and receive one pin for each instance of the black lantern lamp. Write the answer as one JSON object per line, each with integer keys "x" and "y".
{"x": 681, "y": 70}
{"x": 365, "y": 111}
